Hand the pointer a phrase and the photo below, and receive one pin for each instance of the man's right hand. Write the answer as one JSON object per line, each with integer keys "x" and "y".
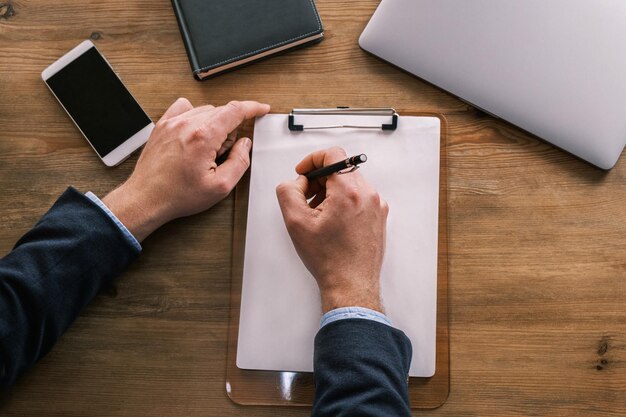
{"x": 340, "y": 234}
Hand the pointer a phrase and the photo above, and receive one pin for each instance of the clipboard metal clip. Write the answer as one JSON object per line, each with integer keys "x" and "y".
{"x": 344, "y": 111}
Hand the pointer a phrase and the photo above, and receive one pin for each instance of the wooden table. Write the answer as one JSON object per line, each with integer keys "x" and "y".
{"x": 537, "y": 237}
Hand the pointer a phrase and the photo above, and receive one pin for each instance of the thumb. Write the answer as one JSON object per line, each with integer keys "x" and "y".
{"x": 292, "y": 199}
{"x": 236, "y": 164}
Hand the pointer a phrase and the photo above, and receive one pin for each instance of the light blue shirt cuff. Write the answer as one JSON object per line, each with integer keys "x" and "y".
{"x": 353, "y": 313}
{"x": 127, "y": 234}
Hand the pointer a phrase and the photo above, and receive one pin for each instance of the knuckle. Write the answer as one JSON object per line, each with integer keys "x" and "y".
{"x": 171, "y": 125}
{"x": 164, "y": 123}
{"x": 281, "y": 190}
{"x": 198, "y": 133}
{"x": 176, "y": 124}
{"x": 384, "y": 206}
{"x": 235, "y": 105}
{"x": 222, "y": 187}
{"x": 161, "y": 124}
{"x": 205, "y": 131}
{"x": 213, "y": 131}
{"x": 353, "y": 195}
{"x": 374, "y": 198}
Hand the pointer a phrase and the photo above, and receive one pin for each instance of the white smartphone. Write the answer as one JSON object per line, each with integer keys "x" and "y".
{"x": 97, "y": 101}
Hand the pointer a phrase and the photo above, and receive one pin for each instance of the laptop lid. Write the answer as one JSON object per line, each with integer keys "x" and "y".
{"x": 554, "y": 68}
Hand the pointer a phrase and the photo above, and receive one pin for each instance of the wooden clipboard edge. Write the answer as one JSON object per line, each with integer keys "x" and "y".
{"x": 246, "y": 387}
{"x": 442, "y": 372}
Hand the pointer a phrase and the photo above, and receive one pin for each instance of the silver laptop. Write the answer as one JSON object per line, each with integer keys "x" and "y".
{"x": 555, "y": 68}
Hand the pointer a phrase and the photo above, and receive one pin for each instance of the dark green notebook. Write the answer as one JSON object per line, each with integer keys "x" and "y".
{"x": 223, "y": 34}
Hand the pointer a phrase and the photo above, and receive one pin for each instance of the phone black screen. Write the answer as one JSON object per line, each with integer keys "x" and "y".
{"x": 99, "y": 103}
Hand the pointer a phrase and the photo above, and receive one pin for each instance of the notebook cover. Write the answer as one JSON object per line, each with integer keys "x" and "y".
{"x": 218, "y": 33}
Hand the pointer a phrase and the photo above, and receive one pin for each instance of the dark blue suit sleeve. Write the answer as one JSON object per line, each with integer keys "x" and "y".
{"x": 51, "y": 274}
{"x": 361, "y": 369}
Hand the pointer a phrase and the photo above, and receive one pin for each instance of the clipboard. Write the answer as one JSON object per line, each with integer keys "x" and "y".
{"x": 253, "y": 387}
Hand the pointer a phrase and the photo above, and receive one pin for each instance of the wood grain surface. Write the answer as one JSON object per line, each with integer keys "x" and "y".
{"x": 537, "y": 238}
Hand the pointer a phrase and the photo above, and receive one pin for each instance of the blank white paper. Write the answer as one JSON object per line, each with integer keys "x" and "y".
{"x": 280, "y": 304}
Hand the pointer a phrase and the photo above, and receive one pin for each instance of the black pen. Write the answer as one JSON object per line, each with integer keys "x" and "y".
{"x": 352, "y": 162}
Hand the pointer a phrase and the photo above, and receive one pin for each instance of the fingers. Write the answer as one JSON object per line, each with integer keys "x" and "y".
{"x": 317, "y": 160}
{"x": 216, "y": 124}
{"x": 324, "y": 158}
{"x": 318, "y": 199}
{"x": 315, "y": 187}
{"x": 228, "y": 143}
{"x": 238, "y": 161}
{"x": 180, "y": 106}
{"x": 292, "y": 199}
{"x": 230, "y": 116}
{"x": 200, "y": 110}
{"x": 320, "y": 159}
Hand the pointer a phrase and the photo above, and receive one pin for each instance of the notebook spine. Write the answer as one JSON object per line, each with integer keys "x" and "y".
{"x": 182, "y": 26}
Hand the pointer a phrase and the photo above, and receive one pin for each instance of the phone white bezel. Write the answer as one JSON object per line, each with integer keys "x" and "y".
{"x": 126, "y": 148}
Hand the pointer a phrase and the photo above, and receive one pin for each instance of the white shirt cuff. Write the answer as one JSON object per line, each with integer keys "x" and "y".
{"x": 354, "y": 313}
{"x": 127, "y": 234}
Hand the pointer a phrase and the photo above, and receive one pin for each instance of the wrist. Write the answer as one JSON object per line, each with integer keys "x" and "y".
{"x": 355, "y": 297}
{"x": 136, "y": 212}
